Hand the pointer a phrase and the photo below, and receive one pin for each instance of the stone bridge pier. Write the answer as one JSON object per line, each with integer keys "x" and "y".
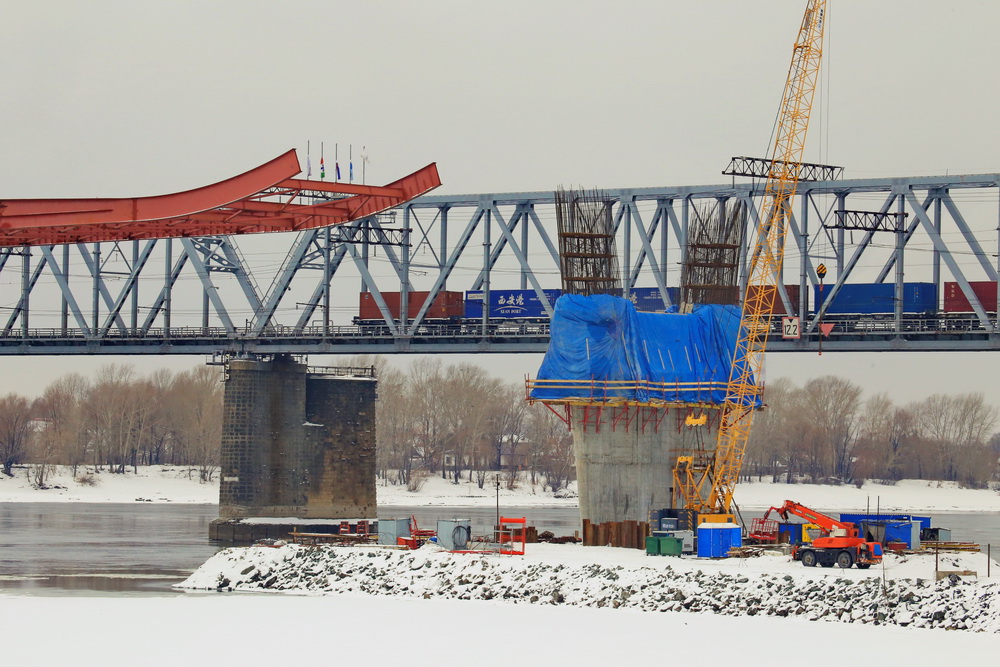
{"x": 298, "y": 443}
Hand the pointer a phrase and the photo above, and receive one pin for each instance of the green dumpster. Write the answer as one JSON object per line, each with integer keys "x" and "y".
{"x": 669, "y": 546}
{"x": 652, "y": 546}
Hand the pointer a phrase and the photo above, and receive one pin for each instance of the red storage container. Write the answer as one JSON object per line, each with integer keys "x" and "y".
{"x": 955, "y": 301}
{"x": 447, "y": 305}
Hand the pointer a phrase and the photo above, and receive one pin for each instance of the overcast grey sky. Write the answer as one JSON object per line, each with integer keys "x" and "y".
{"x": 138, "y": 98}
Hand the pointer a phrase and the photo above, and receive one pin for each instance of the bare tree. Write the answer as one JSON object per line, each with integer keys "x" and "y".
{"x": 428, "y": 405}
{"x": 959, "y": 427}
{"x": 121, "y": 410}
{"x": 15, "y": 429}
{"x": 829, "y": 408}
{"x": 470, "y": 396}
{"x": 549, "y": 445}
{"x": 394, "y": 426}
{"x": 888, "y": 442}
{"x": 194, "y": 420}
{"x": 769, "y": 442}
{"x": 506, "y": 430}
{"x": 64, "y": 432}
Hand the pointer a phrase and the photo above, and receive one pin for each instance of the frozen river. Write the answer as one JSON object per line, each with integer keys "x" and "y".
{"x": 134, "y": 549}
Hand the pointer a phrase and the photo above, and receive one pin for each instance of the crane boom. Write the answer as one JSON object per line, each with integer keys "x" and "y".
{"x": 721, "y": 471}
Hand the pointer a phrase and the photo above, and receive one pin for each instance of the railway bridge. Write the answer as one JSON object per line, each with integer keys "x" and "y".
{"x": 82, "y": 278}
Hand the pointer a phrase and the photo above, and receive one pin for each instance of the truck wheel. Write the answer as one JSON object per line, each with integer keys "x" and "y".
{"x": 845, "y": 559}
{"x": 809, "y": 558}
{"x": 864, "y": 566}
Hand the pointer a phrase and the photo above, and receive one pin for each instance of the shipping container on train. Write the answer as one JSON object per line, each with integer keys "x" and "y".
{"x": 648, "y": 299}
{"x": 446, "y": 306}
{"x": 956, "y": 302}
{"x": 510, "y": 304}
{"x": 878, "y": 298}
{"x": 779, "y": 306}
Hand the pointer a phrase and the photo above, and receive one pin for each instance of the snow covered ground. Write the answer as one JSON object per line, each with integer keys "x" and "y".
{"x": 358, "y": 629}
{"x": 177, "y": 484}
{"x": 180, "y": 485}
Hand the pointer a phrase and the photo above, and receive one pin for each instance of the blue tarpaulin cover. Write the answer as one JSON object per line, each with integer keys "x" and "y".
{"x": 602, "y": 348}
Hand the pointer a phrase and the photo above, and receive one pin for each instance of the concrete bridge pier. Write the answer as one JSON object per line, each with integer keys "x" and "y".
{"x": 624, "y": 466}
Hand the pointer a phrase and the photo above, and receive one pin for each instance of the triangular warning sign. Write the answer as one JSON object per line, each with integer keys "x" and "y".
{"x": 826, "y": 328}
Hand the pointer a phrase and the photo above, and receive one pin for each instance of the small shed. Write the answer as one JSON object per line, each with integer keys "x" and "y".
{"x": 716, "y": 539}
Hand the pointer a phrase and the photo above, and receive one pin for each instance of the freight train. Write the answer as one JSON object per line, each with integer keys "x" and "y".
{"x": 505, "y": 305}
{"x": 864, "y": 300}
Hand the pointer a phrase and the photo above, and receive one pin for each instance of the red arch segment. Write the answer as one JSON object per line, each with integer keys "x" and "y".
{"x": 265, "y": 199}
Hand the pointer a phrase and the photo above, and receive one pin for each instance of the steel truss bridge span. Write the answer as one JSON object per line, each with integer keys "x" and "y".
{"x": 299, "y": 292}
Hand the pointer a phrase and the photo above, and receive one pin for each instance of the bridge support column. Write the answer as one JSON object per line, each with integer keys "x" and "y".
{"x": 625, "y": 461}
{"x": 297, "y": 442}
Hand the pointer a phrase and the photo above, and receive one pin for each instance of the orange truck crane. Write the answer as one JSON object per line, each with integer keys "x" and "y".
{"x": 840, "y": 543}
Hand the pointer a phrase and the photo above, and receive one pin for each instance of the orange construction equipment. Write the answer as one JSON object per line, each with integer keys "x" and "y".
{"x": 840, "y": 543}
{"x": 510, "y": 537}
{"x": 265, "y": 199}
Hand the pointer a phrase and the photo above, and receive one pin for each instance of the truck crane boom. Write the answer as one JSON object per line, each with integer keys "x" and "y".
{"x": 828, "y": 524}
{"x": 720, "y": 472}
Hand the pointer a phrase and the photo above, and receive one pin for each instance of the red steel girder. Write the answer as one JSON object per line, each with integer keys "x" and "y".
{"x": 264, "y": 199}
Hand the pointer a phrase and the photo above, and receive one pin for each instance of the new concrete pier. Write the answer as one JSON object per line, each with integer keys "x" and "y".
{"x": 624, "y": 462}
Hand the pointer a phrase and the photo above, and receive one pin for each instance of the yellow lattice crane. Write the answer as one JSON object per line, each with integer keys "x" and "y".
{"x": 705, "y": 484}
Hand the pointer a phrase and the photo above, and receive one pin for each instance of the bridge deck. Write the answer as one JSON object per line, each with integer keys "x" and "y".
{"x": 860, "y": 334}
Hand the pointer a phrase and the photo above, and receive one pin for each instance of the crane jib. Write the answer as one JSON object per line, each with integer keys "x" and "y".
{"x": 707, "y": 485}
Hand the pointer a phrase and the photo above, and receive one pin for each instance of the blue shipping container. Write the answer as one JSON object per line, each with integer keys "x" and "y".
{"x": 715, "y": 539}
{"x": 510, "y": 304}
{"x": 879, "y": 298}
{"x": 924, "y": 521}
{"x": 648, "y": 299}
{"x": 907, "y": 532}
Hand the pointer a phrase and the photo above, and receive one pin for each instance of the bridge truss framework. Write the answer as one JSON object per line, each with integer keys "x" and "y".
{"x": 201, "y": 295}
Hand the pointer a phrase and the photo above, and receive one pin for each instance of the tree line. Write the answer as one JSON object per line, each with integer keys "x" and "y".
{"x": 452, "y": 420}
{"x": 456, "y": 420}
{"x": 115, "y": 421}
{"x": 827, "y": 431}
{"x": 459, "y": 422}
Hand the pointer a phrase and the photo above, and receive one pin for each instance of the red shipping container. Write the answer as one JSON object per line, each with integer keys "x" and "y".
{"x": 955, "y": 301}
{"x": 779, "y": 306}
{"x": 447, "y": 305}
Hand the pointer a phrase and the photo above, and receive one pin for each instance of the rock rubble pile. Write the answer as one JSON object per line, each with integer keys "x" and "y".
{"x": 954, "y": 604}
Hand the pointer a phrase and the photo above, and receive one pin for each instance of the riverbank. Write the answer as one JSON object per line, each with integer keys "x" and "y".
{"x": 180, "y": 484}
